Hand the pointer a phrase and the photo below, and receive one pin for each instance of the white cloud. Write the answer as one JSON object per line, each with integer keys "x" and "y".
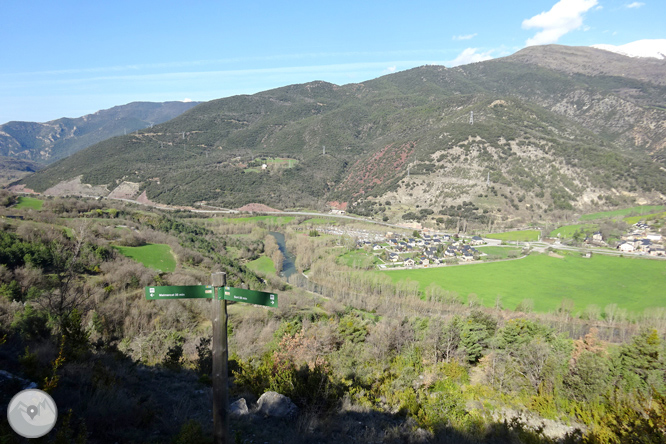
{"x": 464, "y": 37}
{"x": 655, "y": 48}
{"x": 187, "y": 100}
{"x": 470, "y": 55}
{"x": 635, "y": 5}
{"x": 391, "y": 69}
{"x": 565, "y": 16}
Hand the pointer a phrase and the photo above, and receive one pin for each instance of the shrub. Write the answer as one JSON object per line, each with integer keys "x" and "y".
{"x": 31, "y": 324}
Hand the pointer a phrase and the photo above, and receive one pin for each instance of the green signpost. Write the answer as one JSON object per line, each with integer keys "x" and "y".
{"x": 180, "y": 292}
{"x": 220, "y": 346}
{"x": 249, "y": 296}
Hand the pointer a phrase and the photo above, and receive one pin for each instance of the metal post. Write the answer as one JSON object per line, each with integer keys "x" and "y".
{"x": 220, "y": 364}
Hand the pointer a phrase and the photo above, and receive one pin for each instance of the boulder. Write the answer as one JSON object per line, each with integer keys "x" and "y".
{"x": 276, "y": 405}
{"x": 20, "y": 381}
{"x": 238, "y": 408}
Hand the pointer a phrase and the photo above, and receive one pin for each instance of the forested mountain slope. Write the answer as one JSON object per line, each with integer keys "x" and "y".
{"x": 519, "y": 134}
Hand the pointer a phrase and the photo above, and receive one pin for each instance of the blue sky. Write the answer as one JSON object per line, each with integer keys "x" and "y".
{"x": 71, "y": 58}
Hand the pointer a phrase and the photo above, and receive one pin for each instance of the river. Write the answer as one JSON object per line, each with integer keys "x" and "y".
{"x": 289, "y": 272}
{"x": 289, "y": 262}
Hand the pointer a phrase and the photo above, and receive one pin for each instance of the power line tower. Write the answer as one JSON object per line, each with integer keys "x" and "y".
{"x": 471, "y": 117}
{"x": 324, "y": 152}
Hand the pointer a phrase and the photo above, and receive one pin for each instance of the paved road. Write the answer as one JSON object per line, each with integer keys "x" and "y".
{"x": 596, "y": 250}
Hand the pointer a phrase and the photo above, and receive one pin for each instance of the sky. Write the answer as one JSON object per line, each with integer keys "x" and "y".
{"x": 71, "y": 58}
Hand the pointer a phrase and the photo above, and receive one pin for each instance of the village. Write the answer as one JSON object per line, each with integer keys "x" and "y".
{"x": 423, "y": 249}
{"x": 642, "y": 239}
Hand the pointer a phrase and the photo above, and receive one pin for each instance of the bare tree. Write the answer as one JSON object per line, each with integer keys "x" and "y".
{"x": 532, "y": 359}
{"x": 67, "y": 290}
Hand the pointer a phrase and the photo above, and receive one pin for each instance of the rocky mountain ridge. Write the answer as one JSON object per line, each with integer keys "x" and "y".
{"x": 50, "y": 141}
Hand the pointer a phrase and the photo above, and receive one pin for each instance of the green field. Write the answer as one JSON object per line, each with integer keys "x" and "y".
{"x": 500, "y": 252}
{"x": 634, "y": 284}
{"x": 29, "y": 203}
{"x": 358, "y": 259}
{"x": 157, "y": 256}
{"x": 639, "y": 210}
{"x": 567, "y": 231}
{"x": 279, "y": 161}
{"x": 645, "y": 217}
{"x": 289, "y": 163}
{"x": 520, "y": 236}
{"x": 264, "y": 265}
{"x": 272, "y": 220}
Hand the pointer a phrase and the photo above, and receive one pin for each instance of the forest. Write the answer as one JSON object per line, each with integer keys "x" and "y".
{"x": 364, "y": 359}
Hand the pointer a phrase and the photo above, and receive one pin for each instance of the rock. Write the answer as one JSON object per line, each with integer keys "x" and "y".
{"x": 276, "y": 405}
{"x": 23, "y": 382}
{"x": 238, "y": 408}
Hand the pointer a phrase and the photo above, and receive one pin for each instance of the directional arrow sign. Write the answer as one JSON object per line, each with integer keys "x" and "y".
{"x": 249, "y": 296}
{"x": 180, "y": 292}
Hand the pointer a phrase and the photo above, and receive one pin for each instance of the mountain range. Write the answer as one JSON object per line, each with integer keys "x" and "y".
{"x": 548, "y": 129}
{"x": 47, "y": 142}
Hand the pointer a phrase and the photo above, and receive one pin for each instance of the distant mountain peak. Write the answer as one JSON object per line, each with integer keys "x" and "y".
{"x": 595, "y": 61}
{"x": 53, "y": 140}
{"x": 655, "y": 48}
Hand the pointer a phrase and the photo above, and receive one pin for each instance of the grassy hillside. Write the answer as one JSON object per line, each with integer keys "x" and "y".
{"x": 639, "y": 210}
{"x": 156, "y": 256}
{"x": 263, "y": 265}
{"x": 29, "y": 203}
{"x": 568, "y": 231}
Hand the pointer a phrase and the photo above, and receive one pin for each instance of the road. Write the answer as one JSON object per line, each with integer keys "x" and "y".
{"x": 543, "y": 246}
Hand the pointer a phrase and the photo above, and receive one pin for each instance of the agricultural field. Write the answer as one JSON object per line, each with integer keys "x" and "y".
{"x": 633, "y": 284}
{"x": 272, "y": 220}
{"x": 289, "y": 163}
{"x": 646, "y": 217}
{"x": 567, "y": 231}
{"x": 519, "y": 236}
{"x": 29, "y": 203}
{"x": 271, "y": 163}
{"x": 263, "y": 265}
{"x": 358, "y": 259}
{"x": 639, "y": 210}
{"x": 157, "y": 256}
{"x": 499, "y": 252}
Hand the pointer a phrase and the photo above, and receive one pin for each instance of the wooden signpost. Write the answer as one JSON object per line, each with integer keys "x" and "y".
{"x": 218, "y": 292}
